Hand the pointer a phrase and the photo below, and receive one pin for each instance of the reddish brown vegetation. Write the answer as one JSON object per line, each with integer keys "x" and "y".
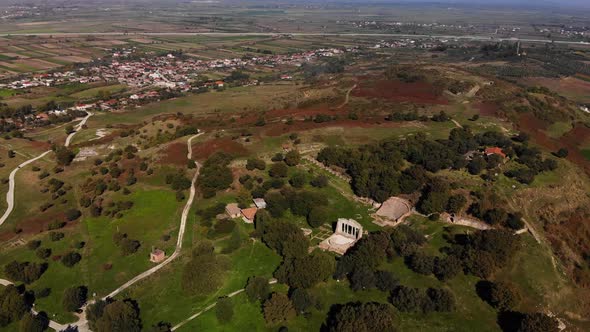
{"x": 417, "y": 92}
{"x": 488, "y": 109}
{"x": 529, "y": 124}
{"x": 175, "y": 154}
{"x": 205, "y": 149}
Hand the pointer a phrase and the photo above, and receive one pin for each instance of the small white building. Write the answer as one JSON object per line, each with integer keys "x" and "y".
{"x": 260, "y": 203}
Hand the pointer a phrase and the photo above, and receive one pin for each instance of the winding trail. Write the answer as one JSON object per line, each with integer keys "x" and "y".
{"x": 212, "y": 305}
{"x": 82, "y": 324}
{"x": 183, "y": 219}
{"x": 347, "y": 98}
{"x": 11, "y": 181}
{"x": 76, "y": 129}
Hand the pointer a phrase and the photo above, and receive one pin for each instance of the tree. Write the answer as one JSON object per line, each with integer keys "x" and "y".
{"x": 278, "y": 170}
{"x": 119, "y": 316}
{"x": 538, "y": 322}
{"x": 94, "y": 312}
{"x": 385, "y": 281}
{"x": 306, "y": 271}
{"x": 318, "y": 216}
{"x": 63, "y": 155}
{"x": 319, "y": 181}
{"x": 301, "y": 299}
{"x": 292, "y": 158}
{"x": 33, "y": 244}
{"x": 421, "y": 263}
{"x": 129, "y": 246}
{"x": 69, "y": 129}
{"x": 73, "y": 214}
{"x": 215, "y": 174}
{"x": 71, "y": 258}
{"x": 12, "y": 305}
{"x": 362, "y": 278}
{"x": 447, "y": 268}
{"x": 74, "y": 298}
{"x": 515, "y": 221}
{"x": 495, "y": 216}
{"x": 298, "y": 180}
{"x": 360, "y": 317}
{"x": 456, "y": 203}
{"x": 503, "y": 296}
{"x": 476, "y": 165}
{"x": 276, "y": 204}
{"x": 278, "y": 309}
{"x": 435, "y": 198}
{"x": 43, "y": 253}
{"x": 562, "y": 153}
{"x": 224, "y": 310}
{"x": 33, "y": 323}
{"x": 255, "y": 163}
{"x": 257, "y": 289}
{"x": 286, "y": 239}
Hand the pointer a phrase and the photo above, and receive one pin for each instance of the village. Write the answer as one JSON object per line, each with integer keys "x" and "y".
{"x": 150, "y": 78}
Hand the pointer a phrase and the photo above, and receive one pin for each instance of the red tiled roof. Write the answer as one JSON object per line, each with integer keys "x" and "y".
{"x": 249, "y": 213}
{"x": 495, "y": 150}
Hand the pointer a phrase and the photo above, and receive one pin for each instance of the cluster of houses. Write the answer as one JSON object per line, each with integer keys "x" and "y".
{"x": 169, "y": 71}
{"x": 409, "y": 43}
{"x": 247, "y": 214}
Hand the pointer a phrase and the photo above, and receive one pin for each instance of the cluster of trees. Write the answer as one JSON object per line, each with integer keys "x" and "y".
{"x": 111, "y": 315}
{"x": 215, "y": 174}
{"x": 203, "y": 272}
{"x": 13, "y": 305}
{"x": 409, "y": 299}
{"x": 26, "y": 272}
{"x": 484, "y": 252}
{"x": 360, "y": 317}
{"x": 179, "y": 182}
{"x": 305, "y": 203}
{"x": 378, "y": 170}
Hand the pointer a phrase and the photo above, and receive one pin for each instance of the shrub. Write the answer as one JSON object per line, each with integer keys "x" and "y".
{"x": 70, "y": 259}
{"x": 319, "y": 181}
{"x": 56, "y": 236}
{"x": 33, "y": 244}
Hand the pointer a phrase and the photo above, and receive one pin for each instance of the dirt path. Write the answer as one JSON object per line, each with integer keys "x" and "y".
{"x": 457, "y": 124}
{"x": 82, "y": 323}
{"x": 11, "y": 186}
{"x": 11, "y": 182}
{"x": 347, "y": 98}
{"x": 212, "y": 305}
{"x": 77, "y": 129}
{"x": 183, "y": 219}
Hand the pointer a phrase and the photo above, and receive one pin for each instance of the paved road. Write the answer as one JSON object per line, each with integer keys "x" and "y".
{"x": 211, "y": 306}
{"x": 302, "y": 34}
